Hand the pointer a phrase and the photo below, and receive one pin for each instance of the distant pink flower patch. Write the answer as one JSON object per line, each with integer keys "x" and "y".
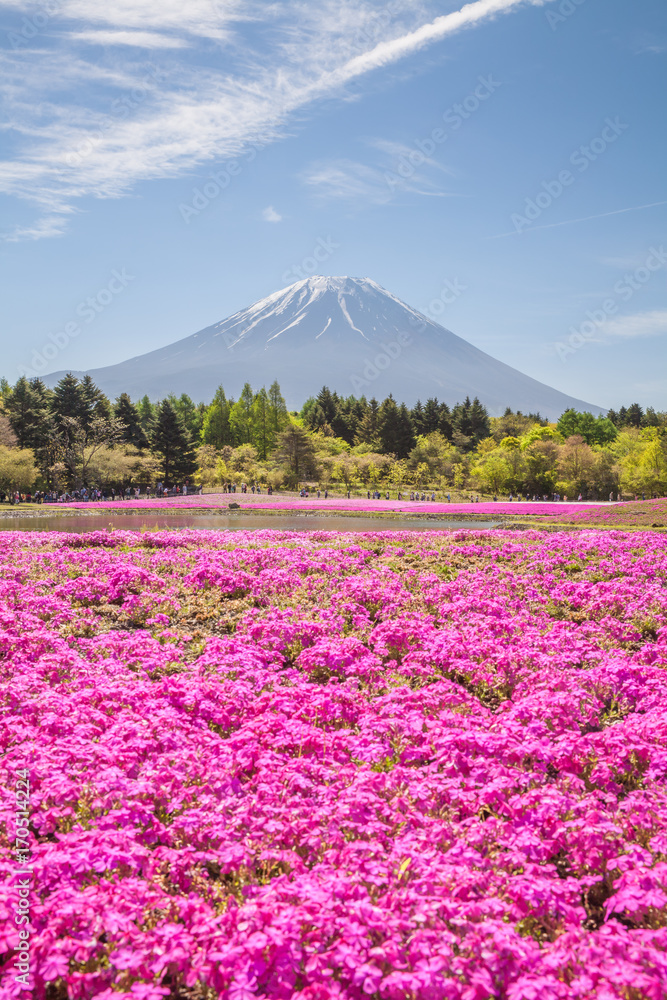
{"x": 249, "y": 501}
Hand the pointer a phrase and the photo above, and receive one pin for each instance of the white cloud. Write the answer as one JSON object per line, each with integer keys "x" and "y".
{"x": 646, "y": 324}
{"x": 101, "y": 139}
{"x": 137, "y": 39}
{"x": 270, "y": 215}
{"x": 361, "y": 183}
{"x": 397, "y": 169}
{"x": 347, "y": 180}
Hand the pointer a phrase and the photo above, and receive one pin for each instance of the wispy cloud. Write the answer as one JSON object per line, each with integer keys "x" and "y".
{"x": 279, "y": 58}
{"x": 347, "y": 180}
{"x": 270, "y": 215}
{"x": 376, "y": 183}
{"x": 644, "y": 324}
{"x": 136, "y": 39}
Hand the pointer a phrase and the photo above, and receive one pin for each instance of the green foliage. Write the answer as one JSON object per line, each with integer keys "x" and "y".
{"x": 75, "y": 435}
{"x": 18, "y": 470}
{"x": 172, "y": 442}
{"x": 594, "y": 430}
{"x": 131, "y": 429}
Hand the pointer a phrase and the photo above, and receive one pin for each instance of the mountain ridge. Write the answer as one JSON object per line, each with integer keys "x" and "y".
{"x": 348, "y": 333}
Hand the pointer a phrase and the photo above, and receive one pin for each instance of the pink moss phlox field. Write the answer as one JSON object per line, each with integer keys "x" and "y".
{"x": 250, "y": 501}
{"x": 386, "y": 765}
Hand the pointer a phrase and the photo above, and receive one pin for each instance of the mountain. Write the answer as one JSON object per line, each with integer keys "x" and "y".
{"x": 347, "y": 333}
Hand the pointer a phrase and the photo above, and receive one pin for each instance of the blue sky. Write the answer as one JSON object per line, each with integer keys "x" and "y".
{"x": 165, "y": 164}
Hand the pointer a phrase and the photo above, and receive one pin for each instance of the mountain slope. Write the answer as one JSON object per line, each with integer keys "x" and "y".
{"x": 347, "y": 333}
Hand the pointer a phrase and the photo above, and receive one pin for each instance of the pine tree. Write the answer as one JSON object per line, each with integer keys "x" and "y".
{"x": 188, "y": 413}
{"x": 328, "y": 401}
{"x": 405, "y": 435}
{"x": 479, "y": 421}
{"x": 130, "y": 425}
{"x": 69, "y": 402}
{"x": 368, "y": 429}
{"x": 262, "y": 431}
{"x": 215, "y": 426}
{"x": 278, "y": 409}
{"x": 27, "y": 413}
{"x": 388, "y": 425}
{"x": 146, "y": 412}
{"x": 172, "y": 442}
{"x": 634, "y": 415}
{"x": 345, "y": 421}
{"x": 431, "y": 416}
{"x": 445, "y": 425}
{"x": 417, "y": 417}
{"x": 96, "y": 403}
{"x": 295, "y": 451}
{"x": 240, "y": 416}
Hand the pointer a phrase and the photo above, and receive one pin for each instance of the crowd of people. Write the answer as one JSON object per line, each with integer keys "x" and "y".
{"x": 187, "y": 489}
{"x": 92, "y": 494}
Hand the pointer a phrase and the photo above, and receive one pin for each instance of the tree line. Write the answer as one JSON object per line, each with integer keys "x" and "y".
{"x": 73, "y": 436}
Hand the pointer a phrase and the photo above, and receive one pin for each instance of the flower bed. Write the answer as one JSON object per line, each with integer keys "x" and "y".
{"x": 249, "y": 501}
{"x": 387, "y": 765}
{"x": 639, "y": 514}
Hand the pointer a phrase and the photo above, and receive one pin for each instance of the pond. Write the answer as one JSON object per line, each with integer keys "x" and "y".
{"x": 231, "y": 522}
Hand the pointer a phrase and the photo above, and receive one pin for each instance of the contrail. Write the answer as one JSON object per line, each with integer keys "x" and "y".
{"x": 572, "y": 222}
{"x": 389, "y": 52}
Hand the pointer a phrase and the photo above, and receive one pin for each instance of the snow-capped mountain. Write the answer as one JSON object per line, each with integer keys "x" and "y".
{"x": 347, "y": 333}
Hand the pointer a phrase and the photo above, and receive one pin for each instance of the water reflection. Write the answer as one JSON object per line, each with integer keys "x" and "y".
{"x": 232, "y": 522}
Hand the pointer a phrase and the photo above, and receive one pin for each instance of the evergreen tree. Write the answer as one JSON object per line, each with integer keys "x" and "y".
{"x": 189, "y": 414}
{"x": 277, "y": 409}
{"x": 345, "y": 420}
{"x": 431, "y": 417}
{"x": 388, "y": 425}
{"x": 295, "y": 451}
{"x": 417, "y": 417}
{"x": 445, "y": 425}
{"x": 69, "y": 402}
{"x": 405, "y": 435}
{"x": 479, "y": 421}
{"x": 146, "y": 412}
{"x": 368, "y": 429}
{"x": 27, "y": 413}
{"x": 240, "y": 416}
{"x": 96, "y": 403}
{"x": 127, "y": 415}
{"x": 471, "y": 420}
{"x": 329, "y": 402}
{"x": 172, "y": 442}
{"x": 262, "y": 431}
{"x": 312, "y": 415}
{"x": 634, "y": 415}
{"x": 215, "y": 426}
